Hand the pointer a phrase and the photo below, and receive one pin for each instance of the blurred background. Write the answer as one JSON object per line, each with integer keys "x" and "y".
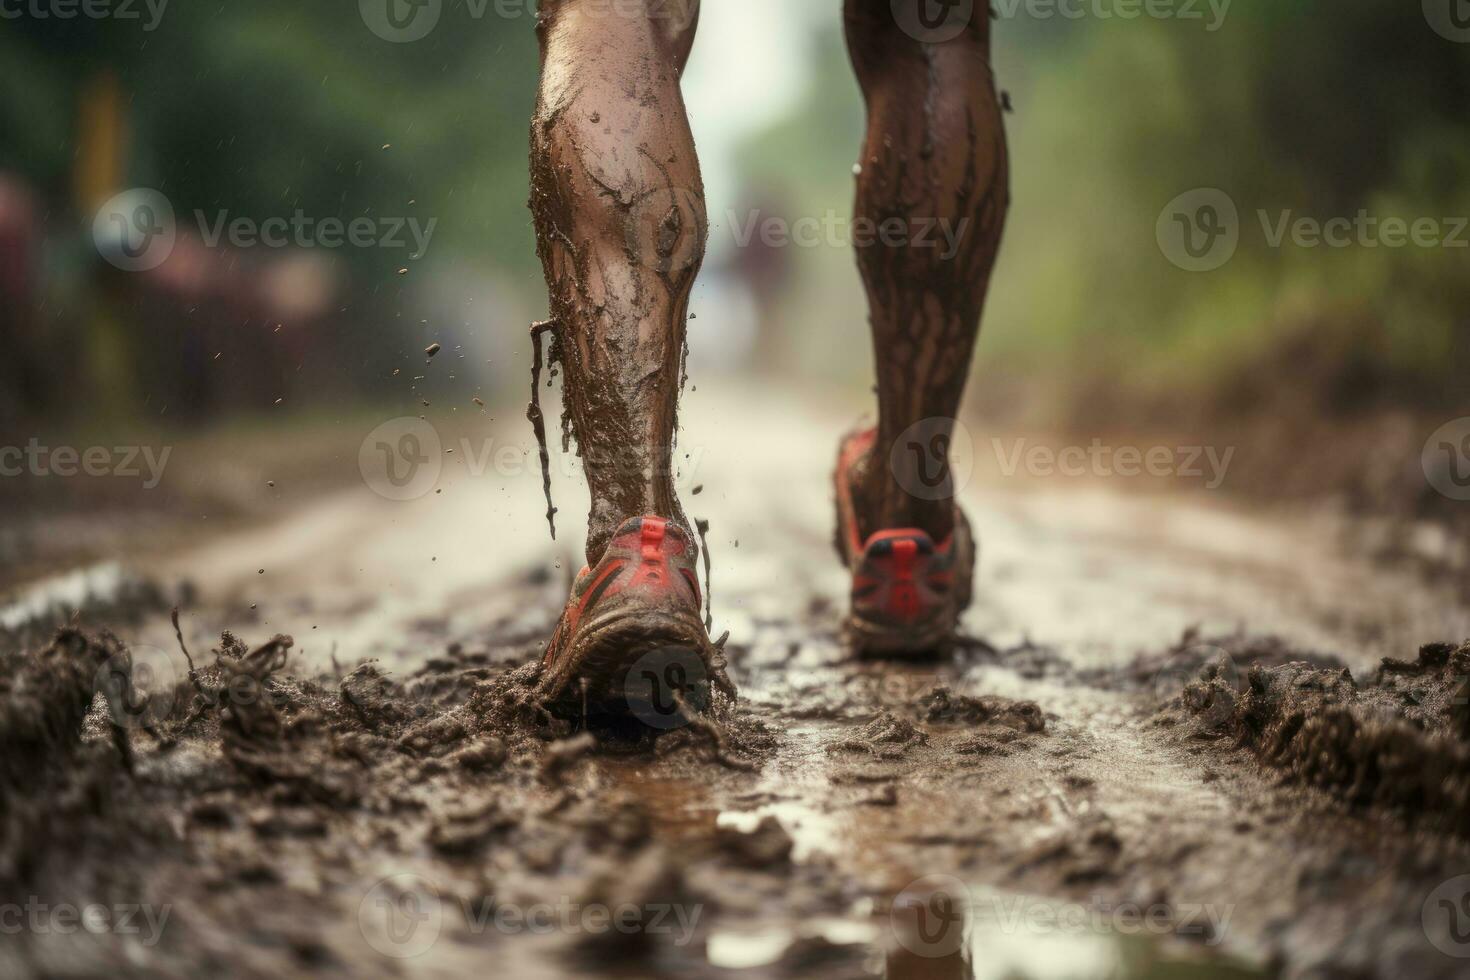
{"x": 1329, "y": 366}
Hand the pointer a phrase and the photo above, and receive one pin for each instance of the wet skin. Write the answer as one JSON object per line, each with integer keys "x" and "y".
{"x": 621, "y": 225}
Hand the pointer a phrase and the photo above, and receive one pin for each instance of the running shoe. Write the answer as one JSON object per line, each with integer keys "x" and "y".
{"x": 631, "y": 641}
{"x": 908, "y": 590}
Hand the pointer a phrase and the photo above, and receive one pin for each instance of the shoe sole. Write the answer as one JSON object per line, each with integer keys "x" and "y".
{"x": 671, "y": 651}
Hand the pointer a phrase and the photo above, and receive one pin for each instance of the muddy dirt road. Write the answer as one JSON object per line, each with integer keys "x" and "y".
{"x": 1169, "y": 748}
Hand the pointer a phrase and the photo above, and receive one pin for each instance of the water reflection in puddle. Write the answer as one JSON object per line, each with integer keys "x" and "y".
{"x": 943, "y": 930}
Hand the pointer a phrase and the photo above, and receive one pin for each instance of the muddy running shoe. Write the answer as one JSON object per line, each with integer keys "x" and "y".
{"x": 907, "y": 590}
{"x": 630, "y": 642}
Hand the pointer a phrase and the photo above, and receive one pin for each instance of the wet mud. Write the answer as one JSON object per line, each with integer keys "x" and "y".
{"x": 1271, "y": 813}
{"x": 1399, "y": 741}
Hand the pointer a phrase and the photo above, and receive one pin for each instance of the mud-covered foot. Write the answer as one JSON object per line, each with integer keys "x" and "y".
{"x": 908, "y": 591}
{"x": 630, "y": 643}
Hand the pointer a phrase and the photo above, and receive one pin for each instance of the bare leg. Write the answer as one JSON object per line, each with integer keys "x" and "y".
{"x": 934, "y": 152}
{"x": 620, "y": 223}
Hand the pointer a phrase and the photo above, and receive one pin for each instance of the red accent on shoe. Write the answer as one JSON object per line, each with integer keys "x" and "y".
{"x": 907, "y": 591}
{"x": 636, "y": 590}
{"x": 651, "y": 540}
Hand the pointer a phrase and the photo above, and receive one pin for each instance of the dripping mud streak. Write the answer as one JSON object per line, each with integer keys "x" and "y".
{"x": 533, "y": 410}
{"x": 709, "y": 589}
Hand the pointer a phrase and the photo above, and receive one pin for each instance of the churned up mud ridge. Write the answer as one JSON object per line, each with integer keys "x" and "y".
{"x": 47, "y": 775}
{"x": 251, "y": 796}
{"x": 1399, "y": 741}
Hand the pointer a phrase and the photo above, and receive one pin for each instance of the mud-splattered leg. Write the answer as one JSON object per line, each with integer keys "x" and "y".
{"x": 620, "y": 224}
{"x": 932, "y": 194}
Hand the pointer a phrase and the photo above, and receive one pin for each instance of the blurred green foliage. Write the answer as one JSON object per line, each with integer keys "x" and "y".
{"x": 1319, "y": 107}
{"x": 274, "y": 105}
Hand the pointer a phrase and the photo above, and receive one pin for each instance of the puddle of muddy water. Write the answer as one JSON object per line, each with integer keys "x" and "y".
{"x": 945, "y": 930}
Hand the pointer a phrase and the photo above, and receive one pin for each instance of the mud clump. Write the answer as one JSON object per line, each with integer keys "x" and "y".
{"x": 45, "y": 698}
{"x": 1399, "y": 742}
{"x": 767, "y": 846}
{"x": 465, "y": 832}
{"x": 51, "y": 779}
{"x": 943, "y": 706}
{"x": 886, "y": 736}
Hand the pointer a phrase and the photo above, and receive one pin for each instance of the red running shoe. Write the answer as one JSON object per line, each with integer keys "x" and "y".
{"x": 907, "y": 591}
{"x": 631, "y": 641}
